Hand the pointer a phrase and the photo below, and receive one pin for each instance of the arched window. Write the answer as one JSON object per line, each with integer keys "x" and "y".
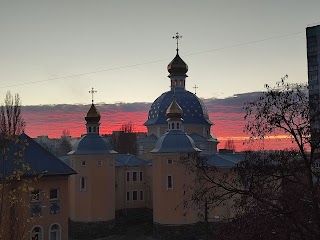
{"x": 175, "y": 82}
{"x": 180, "y": 82}
{"x": 178, "y": 127}
{"x": 89, "y": 129}
{"x": 55, "y": 232}
{"x": 172, "y": 124}
{"x": 36, "y": 233}
{"x": 83, "y": 184}
{"x": 169, "y": 125}
{"x": 94, "y": 129}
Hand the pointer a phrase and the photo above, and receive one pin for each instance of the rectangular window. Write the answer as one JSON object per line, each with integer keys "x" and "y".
{"x": 169, "y": 161}
{"x": 140, "y": 176}
{"x": 83, "y": 184}
{"x": 54, "y": 207}
{"x": 36, "y": 209}
{"x": 54, "y": 201}
{"x": 128, "y": 196}
{"x": 54, "y": 193}
{"x": 83, "y": 163}
{"x": 35, "y": 196}
{"x": 141, "y": 195}
{"x": 128, "y": 177}
{"x": 169, "y": 182}
{"x": 134, "y": 195}
{"x": 99, "y": 163}
{"x": 134, "y": 176}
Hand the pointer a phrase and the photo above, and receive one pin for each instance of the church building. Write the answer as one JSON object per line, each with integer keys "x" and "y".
{"x": 107, "y": 183}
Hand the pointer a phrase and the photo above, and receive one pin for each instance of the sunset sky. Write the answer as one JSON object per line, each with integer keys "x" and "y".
{"x": 230, "y": 46}
{"x": 54, "y": 52}
{"x": 227, "y": 115}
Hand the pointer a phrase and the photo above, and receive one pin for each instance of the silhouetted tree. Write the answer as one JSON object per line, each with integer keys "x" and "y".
{"x": 229, "y": 145}
{"x": 275, "y": 194}
{"x": 65, "y": 145}
{"x": 14, "y": 209}
{"x": 124, "y": 141}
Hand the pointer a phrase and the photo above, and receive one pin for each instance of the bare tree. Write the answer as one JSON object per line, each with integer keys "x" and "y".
{"x": 14, "y": 207}
{"x": 229, "y": 145}
{"x": 65, "y": 145}
{"x": 274, "y": 194}
{"x": 124, "y": 141}
{"x": 10, "y": 116}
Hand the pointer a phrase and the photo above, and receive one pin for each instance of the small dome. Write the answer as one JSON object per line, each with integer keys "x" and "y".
{"x": 175, "y": 141}
{"x": 174, "y": 110}
{"x": 93, "y": 115}
{"x": 177, "y": 66}
{"x": 92, "y": 144}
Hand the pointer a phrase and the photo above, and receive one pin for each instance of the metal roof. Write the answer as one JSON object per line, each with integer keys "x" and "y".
{"x": 225, "y": 160}
{"x": 194, "y": 110}
{"x": 27, "y": 152}
{"x": 149, "y": 139}
{"x": 175, "y": 141}
{"x": 92, "y": 144}
{"x": 130, "y": 160}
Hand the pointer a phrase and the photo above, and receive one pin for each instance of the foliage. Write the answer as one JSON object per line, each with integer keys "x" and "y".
{"x": 124, "y": 141}
{"x": 65, "y": 145}
{"x": 272, "y": 194}
{"x": 229, "y": 145}
{"x": 14, "y": 189}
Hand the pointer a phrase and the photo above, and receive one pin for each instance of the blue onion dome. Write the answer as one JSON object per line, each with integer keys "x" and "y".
{"x": 177, "y": 67}
{"x": 93, "y": 114}
{"x": 194, "y": 110}
{"x": 174, "y": 110}
{"x": 92, "y": 144}
{"x": 175, "y": 141}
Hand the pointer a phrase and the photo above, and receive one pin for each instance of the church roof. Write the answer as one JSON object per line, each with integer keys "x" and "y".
{"x": 174, "y": 110}
{"x": 92, "y": 144}
{"x": 130, "y": 160}
{"x": 93, "y": 114}
{"x": 194, "y": 110}
{"x": 175, "y": 141}
{"x": 149, "y": 139}
{"x": 225, "y": 160}
{"x": 39, "y": 160}
{"x": 177, "y": 66}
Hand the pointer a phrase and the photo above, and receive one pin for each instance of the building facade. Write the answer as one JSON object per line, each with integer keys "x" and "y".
{"x": 313, "y": 57}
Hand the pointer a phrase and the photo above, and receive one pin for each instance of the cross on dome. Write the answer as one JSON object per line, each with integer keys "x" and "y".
{"x": 177, "y": 37}
{"x": 92, "y": 93}
{"x": 195, "y": 89}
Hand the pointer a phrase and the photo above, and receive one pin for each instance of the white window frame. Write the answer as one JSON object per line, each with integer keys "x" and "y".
{"x": 59, "y": 235}
{"x": 58, "y": 194}
{"x": 35, "y": 197}
{"x": 41, "y": 233}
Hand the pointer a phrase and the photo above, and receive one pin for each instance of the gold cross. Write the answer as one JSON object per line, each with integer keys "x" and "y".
{"x": 177, "y": 37}
{"x": 92, "y": 92}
